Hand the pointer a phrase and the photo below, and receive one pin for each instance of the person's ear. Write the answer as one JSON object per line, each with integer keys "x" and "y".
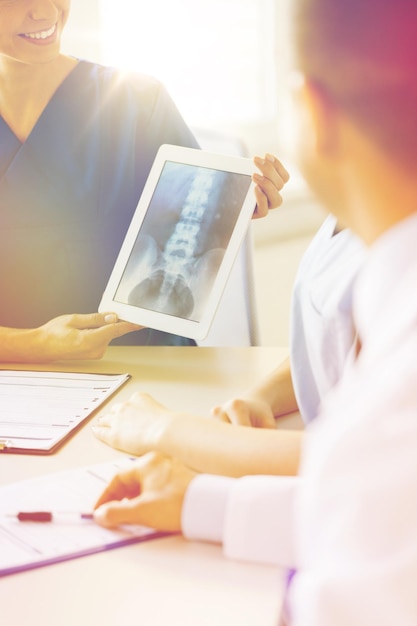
{"x": 323, "y": 115}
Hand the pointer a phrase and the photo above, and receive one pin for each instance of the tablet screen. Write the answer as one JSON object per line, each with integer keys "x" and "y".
{"x": 182, "y": 240}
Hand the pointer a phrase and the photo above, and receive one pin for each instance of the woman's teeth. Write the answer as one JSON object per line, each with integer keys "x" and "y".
{"x": 43, "y": 34}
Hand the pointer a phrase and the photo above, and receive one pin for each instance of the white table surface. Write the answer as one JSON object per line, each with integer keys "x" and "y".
{"x": 164, "y": 581}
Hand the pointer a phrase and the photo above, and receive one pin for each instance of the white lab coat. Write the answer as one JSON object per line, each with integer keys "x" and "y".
{"x": 352, "y": 515}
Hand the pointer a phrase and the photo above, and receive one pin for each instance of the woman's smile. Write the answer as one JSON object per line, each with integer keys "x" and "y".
{"x": 41, "y": 36}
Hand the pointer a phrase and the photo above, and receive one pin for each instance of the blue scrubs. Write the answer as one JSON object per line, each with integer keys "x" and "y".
{"x": 67, "y": 194}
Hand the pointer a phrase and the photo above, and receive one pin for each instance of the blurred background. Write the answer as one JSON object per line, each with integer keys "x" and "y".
{"x": 226, "y": 65}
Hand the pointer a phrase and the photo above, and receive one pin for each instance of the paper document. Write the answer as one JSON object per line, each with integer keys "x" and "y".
{"x": 38, "y": 410}
{"x": 26, "y": 545}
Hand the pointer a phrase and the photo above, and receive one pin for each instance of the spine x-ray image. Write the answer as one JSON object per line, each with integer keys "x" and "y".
{"x": 182, "y": 240}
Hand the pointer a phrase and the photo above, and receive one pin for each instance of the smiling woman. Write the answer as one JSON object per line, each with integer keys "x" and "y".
{"x": 77, "y": 141}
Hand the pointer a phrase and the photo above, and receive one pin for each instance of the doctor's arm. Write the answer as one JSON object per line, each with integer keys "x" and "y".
{"x": 251, "y": 516}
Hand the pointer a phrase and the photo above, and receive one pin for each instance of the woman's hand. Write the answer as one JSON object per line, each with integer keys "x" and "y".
{"x": 151, "y": 493}
{"x": 135, "y": 426}
{"x": 79, "y": 336}
{"x": 66, "y": 337}
{"x": 269, "y": 184}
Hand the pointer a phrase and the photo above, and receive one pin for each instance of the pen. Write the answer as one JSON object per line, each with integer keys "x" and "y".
{"x": 48, "y": 516}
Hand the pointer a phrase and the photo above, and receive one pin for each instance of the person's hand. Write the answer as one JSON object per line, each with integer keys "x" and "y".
{"x": 78, "y": 336}
{"x": 246, "y": 412}
{"x": 269, "y": 183}
{"x": 150, "y": 493}
{"x": 134, "y": 426}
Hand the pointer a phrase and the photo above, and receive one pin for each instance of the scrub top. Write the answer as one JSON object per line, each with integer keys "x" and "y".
{"x": 322, "y": 333}
{"x": 68, "y": 193}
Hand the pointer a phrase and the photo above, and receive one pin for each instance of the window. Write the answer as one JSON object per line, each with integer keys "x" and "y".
{"x": 208, "y": 54}
{"x": 223, "y": 61}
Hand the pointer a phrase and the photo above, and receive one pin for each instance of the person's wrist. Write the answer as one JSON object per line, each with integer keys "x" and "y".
{"x": 33, "y": 345}
{"x": 269, "y": 397}
{"x": 161, "y": 436}
{"x": 43, "y": 349}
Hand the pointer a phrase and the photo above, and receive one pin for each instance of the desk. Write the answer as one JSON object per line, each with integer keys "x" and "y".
{"x": 166, "y": 581}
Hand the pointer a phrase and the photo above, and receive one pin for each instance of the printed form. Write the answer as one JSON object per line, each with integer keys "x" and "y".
{"x": 69, "y": 494}
{"x": 38, "y": 410}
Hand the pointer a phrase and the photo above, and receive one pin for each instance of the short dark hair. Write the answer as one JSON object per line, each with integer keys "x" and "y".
{"x": 363, "y": 53}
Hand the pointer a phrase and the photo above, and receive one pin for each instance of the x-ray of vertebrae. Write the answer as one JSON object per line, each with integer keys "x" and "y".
{"x": 182, "y": 240}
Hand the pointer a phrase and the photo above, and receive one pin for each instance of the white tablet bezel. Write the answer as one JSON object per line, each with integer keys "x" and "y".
{"x": 167, "y": 322}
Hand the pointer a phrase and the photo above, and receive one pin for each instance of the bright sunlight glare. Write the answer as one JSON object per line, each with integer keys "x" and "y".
{"x": 207, "y": 53}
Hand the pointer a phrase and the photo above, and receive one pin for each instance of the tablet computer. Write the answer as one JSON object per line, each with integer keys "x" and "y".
{"x": 183, "y": 239}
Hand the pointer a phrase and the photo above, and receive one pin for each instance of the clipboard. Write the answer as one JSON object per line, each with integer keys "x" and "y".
{"x": 29, "y": 545}
{"x": 39, "y": 411}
